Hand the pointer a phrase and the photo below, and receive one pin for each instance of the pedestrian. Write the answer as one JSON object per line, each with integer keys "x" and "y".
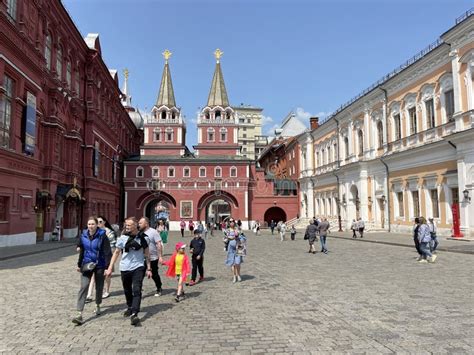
{"x": 434, "y": 238}
{"x": 182, "y": 226}
{"x": 112, "y": 236}
{"x": 236, "y": 251}
{"x": 323, "y": 232}
{"x": 424, "y": 237}
{"x": 361, "y": 226}
{"x": 354, "y": 228}
{"x": 132, "y": 247}
{"x": 293, "y": 232}
{"x": 94, "y": 258}
{"x": 155, "y": 249}
{"x": 282, "y": 231}
{"x": 230, "y": 233}
{"x": 178, "y": 268}
{"x": 257, "y": 227}
{"x": 272, "y": 226}
{"x": 239, "y": 224}
{"x": 197, "y": 248}
{"x": 310, "y": 235}
{"x": 206, "y": 230}
{"x": 191, "y": 227}
{"x": 416, "y": 226}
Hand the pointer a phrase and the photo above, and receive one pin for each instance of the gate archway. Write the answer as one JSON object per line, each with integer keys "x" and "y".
{"x": 275, "y": 213}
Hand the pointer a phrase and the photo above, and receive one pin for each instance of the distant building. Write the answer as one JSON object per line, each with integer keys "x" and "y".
{"x": 251, "y": 140}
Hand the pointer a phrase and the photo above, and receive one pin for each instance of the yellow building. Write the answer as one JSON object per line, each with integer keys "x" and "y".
{"x": 251, "y": 140}
{"x": 403, "y": 147}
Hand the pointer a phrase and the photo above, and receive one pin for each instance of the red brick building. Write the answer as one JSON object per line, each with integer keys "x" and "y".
{"x": 63, "y": 129}
{"x": 208, "y": 184}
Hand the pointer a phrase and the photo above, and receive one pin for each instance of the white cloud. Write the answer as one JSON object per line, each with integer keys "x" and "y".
{"x": 270, "y": 131}
{"x": 302, "y": 115}
{"x": 266, "y": 120}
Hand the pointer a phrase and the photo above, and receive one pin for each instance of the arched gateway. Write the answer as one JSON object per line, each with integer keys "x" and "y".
{"x": 275, "y": 213}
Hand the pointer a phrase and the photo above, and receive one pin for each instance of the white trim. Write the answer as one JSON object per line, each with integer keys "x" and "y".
{"x": 22, "y": 74}
{"x": 205, "y": 171}
{"x": 125, "y": 200}
{"x": 136, "y": 171}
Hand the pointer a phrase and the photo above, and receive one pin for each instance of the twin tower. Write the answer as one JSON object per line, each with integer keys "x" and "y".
{"x": 165, "y": 129}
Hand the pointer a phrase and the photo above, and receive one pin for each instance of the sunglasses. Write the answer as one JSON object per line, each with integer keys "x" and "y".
{"x": 100, "y": 221}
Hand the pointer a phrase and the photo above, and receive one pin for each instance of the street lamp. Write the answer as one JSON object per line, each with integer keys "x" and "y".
{"x": 467, "y": 198}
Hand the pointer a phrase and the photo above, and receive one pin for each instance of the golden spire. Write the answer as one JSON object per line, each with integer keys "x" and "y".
{"x": 125, "y": 73}
{"x": 218, "y": 54}
{"x": 167, "y": 54}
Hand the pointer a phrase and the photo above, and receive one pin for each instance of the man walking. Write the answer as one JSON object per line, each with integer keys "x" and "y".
{"x": 323, "y": 232}
{"x": 361, "y": 225}
{"x": 197, "y": 248}
{"x": 155, "y": 248}
{"x": 272, "y": 226}
{"x": 133, "y": 249}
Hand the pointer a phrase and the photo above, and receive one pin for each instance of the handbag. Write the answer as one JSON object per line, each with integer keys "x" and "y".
{"x": 90, "y": 266}
{"x": 306, "y": 236}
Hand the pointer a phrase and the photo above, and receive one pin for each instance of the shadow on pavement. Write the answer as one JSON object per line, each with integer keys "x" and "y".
{"x": 45, "y": 257}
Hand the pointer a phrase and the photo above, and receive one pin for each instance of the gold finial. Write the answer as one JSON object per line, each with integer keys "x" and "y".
{"x": 167, "y": 54}
{"x": 125, "y": 73}
{"x": 218, "y": 54}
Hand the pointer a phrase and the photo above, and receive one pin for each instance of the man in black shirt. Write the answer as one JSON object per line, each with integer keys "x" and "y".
{"x": 197, "y": 247}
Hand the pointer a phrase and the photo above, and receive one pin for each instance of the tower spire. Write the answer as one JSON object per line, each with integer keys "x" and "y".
{"x": 127, "y": 99}
{"x": 218, "y": 93}
{"x": 166, "y": 94}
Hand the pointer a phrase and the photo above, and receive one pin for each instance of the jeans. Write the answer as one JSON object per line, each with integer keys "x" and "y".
{"x": 132, "y": 287}
{"x": 197, "y": 265}
{"x": 154, "y": 274}
{"x": 322, "y": 238}
{"x": 85, "y": 281}
{"x": 417, "y": 245}
{"x": 434, "y": 242}
{"x": 425, "y": 249}
{"x": 182, "y": 233}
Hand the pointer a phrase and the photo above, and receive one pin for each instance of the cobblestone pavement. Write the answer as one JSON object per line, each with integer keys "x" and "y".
{"x": 361, "y": 297}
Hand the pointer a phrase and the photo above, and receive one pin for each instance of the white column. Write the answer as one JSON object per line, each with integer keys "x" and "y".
{"x": 246, "y": 204}
{"x": 363, "y": 194}
{"x": 310, "y": 199}
{"x": 179, "y": 133}
{"x": 199, "y": 135}
{"x": 367, "y": 136}
{"x": 468, "y": 83}
{"x": 465, "y": 182}
{"x": 350, "y": 137}
{"x": 309, "y": 155}
{"x": 456, "y": 80}
{"x": 147, "y": 130}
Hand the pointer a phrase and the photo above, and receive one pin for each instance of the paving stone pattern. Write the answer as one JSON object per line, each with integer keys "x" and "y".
{"x": 360, "y": 298}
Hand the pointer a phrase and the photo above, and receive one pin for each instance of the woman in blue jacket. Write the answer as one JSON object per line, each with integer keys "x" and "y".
{"x": 94, "y": 258}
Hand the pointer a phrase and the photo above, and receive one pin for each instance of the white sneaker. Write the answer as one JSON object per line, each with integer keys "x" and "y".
{"x": 235, "y": 279}
{"x": 239, "y": 278}
{"x": 422, "y": 261}
{"x": 433, "y": 258}
{"x": 97, "y": 310}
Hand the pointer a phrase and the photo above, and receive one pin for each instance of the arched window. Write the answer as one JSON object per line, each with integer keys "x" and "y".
{"x": 77, "y": 80}
{"x": 323, "y": 153}
{"x": 210, "y": 134}
{"x": 163, "y": 115}
{"x": 169, "y": 134}
{"x": 47, "y": 51}
{"x": 361, "y": 142}
{"x": 223, "y": 134}
{"x": 346, "y": 147}
{"x": 155, "y": 172}
{"x": 329, "y": 154}
{"x": 59, "y": 62}
{"x": 139, "y": 172}
{"x": 233, "y": 172}
{"x": 68, "y": 73}
{"x": 447, "y": 97}
{"x": 170, "y": 171}
{"x": 380, "y": 133}
{"x": 186, "y": 172}
{"x": 202, "y": 171}
{"x": 218, "y": 172}
{"x": 157, "y": 135}
{"x": 218, "y": 115}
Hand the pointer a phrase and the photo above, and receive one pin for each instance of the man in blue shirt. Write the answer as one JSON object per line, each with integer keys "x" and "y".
{"x": 133, "y": 248}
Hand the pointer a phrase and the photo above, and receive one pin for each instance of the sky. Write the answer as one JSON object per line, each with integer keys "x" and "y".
{"x": 305, "y": 56}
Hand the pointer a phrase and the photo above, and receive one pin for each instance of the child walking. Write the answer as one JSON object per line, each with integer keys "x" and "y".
{"x": 197, "y": 248}
{"x": 178, "y": 267}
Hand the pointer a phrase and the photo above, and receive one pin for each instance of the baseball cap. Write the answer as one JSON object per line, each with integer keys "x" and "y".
{"x": 180, "y": 245}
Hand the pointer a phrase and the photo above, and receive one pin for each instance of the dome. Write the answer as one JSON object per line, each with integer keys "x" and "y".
{"x": 136, "y": 118}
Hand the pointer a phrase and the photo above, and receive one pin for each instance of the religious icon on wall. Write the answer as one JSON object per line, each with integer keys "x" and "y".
{"x": 186, "y": 209}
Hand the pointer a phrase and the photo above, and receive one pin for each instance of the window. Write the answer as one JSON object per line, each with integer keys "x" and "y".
{"x": 233, "y": 172}
{"x": 47, "y": 51}
{"x": 430, "y": 118}
{"x": 170, "y": 172}
{"x": 59, "y": 63}
{"x": 401, "y": 209}
{"x": 11, "y": 9}
{"x": 68, "y": 74}
{"x": 139, "y": 172}
{"x": 202, "y": 172}
{"x": 397, "y": 126}
{"x": 169, "y": 134}
{"x": 455, "y": 195}
{"x": 186, "y": 172}
{"x": 380, "y": 133}
{"x": 323, "y": 157}
{"x": 163, "y": 115}
{"x": 361, "y": 142}
{"x": 157, "y": 135}
{"x": 77, "y": 79}
{"x": 3, "y": 208}
{"x": 223, "y": 135}
{"x": 218, "y": 115}
{"x": 244, "y": 135}
{"x": 449, "y": 104}
{"x": 6, "y": 108}
{"x": 434, "y": 203}
{"x": 329, "y": 154}
{"x": 218, "y": 172}
{"x": 210, "y": 134}
{"x": 346, "y": 147}
{"x": 155, "y": 172}
{"x": 416, "y": 203}
{"x": 334, "y": 151}
{"x": 412, "y": 118}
